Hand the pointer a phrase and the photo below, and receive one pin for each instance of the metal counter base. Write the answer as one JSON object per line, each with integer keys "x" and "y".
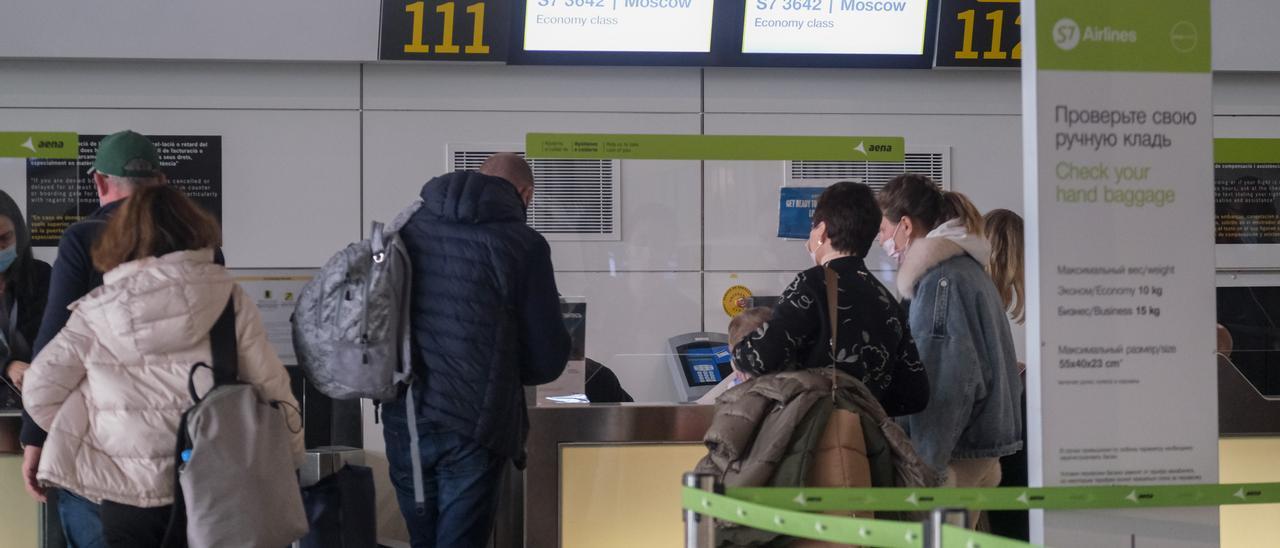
{"x": 532, "y": 500}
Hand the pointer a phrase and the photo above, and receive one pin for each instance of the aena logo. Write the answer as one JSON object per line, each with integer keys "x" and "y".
{"x": 1066, "y": 34}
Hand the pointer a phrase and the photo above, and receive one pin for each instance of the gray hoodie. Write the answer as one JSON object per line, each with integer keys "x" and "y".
{"x": 958, "y": 321}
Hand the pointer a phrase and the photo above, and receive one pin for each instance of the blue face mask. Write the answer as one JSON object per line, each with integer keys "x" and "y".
{"x": 7, "y": 257}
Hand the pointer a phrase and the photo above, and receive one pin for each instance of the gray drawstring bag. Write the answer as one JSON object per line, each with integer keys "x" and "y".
{"x": 235, "y": 480}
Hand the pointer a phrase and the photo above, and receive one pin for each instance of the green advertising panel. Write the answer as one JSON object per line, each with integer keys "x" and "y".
{"x": 1133, "y": 35}
{"x": 1246, "y": 151}
{"x": 39, "y": 144}
{"x": 610, "y": 146}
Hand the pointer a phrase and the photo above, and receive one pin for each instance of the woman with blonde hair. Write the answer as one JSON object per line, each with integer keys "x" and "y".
{"x": 1004, "y": 230}
{"x": 112, "y": 385}
{"x": 1007, "y": 269}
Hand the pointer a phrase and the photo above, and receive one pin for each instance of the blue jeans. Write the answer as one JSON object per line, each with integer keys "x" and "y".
{"x": 81, "y": 523}
{"x": 460, "y": 483}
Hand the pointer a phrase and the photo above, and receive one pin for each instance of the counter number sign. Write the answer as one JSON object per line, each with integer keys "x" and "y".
{"x": 980, "y": 33}
{"x": 444, "y": 30}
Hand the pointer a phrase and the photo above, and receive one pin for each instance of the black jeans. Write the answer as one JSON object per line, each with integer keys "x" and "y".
{"x": 125, "y": 526}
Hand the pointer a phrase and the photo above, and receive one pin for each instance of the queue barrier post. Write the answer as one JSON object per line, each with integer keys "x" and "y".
{"x": 937, "y": 519}
{"x": 699, "y": 530}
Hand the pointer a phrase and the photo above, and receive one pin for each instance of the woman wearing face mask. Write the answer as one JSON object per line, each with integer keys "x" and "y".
{"x": 959, "y": 322}
{"x": 24, "y": 285}
{"x": 874, "y": 344}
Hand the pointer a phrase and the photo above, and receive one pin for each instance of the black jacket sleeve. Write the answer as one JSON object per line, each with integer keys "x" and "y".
{"x": 794, "y": 329}
{"x": 908, "y": 393}
{"x": 544, "y": 340}
{"x": 72, "y": 278}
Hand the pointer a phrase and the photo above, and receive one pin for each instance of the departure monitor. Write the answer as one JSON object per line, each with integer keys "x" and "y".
{"x": 616, "y": 26}
{"x": 836, "y": 27}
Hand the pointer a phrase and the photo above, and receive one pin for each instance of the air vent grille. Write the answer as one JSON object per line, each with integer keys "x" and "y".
{"x": 935, "y": 164}
{"x": 576, "y": 199}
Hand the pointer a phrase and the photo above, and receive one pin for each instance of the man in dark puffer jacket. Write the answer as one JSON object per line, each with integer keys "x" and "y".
{"x": 486, "y": 322}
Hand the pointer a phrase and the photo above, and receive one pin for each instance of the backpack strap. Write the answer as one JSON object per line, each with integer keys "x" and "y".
{"x": 222, "y": 339}
{"x": 226, "y": 370}
{"x": 833, "y": 310}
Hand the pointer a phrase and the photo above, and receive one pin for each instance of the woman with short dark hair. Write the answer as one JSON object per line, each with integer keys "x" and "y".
{"x": 874, "y": 343}
{"x": 112, "y": 385}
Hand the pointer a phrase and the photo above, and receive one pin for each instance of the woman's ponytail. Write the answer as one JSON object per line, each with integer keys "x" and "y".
{"x": 957, "y": 206}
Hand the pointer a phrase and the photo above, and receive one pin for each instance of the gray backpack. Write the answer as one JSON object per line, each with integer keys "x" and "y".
{"x": 351, "y": 327}
{"x": 235, "y": 481}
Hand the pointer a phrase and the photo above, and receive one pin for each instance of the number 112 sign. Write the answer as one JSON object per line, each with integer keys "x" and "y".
{"x": 444, "y": 30}
{"x": 980, "y": 33}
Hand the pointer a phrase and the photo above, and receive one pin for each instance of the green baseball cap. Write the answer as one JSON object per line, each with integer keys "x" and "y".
{"x": 118, "y": 150}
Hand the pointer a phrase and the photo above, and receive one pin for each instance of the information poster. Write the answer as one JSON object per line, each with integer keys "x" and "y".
{"x": 673, "y": 26}
{"x": 61, "y": 191}
{"x": 1246, "y": 176}
{"x": 1118, "y": 131}
{"x": 795, "y": 211}
{"x": 889, "y": 27}
{"x": 276, "y": 294}
{"x": 571, "y": 386}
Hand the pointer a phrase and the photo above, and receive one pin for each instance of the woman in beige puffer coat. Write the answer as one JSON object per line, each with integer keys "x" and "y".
{"x": 112, "y": 386}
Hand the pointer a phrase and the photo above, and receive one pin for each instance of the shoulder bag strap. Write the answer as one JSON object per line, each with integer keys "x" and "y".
{"x": 222, "y": 339}
{"x": 833, "y": 310}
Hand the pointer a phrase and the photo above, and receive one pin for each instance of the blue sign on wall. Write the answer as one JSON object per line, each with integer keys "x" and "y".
{"x": 795, "y": 211}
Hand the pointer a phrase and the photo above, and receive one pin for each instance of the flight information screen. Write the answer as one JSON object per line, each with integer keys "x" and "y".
{"x": 836, "y": 27}
{"x": 659, "y": 26}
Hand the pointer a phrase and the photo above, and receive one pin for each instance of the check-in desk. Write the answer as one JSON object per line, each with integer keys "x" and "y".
{"x": 1249, "y": 428}
{"x": 609, "y": 474}
{"x": 603, "y": 475}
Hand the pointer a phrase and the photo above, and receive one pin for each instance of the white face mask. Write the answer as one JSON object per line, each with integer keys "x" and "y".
{"x": 891, "y": 247}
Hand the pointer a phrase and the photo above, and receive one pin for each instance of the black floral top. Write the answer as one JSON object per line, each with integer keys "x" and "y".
{"x": 874, "y": 341}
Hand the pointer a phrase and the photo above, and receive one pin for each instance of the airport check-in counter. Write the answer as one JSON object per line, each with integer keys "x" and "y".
{"x": 609, "y": 474}
{"x": 603, "y": 475}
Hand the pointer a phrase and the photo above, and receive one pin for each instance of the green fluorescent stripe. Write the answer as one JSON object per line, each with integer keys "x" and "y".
{"x": 1246, "y": 151}
{"x": 713, "y": 147}
{"x": 838, "y": 529}
{"x": 39, "y": 144}
{"x": 1171, "y": 35}
{"x": 1011, "y": 498}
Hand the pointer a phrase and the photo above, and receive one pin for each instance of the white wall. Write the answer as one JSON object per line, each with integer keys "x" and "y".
{"x": 313, "y": 152}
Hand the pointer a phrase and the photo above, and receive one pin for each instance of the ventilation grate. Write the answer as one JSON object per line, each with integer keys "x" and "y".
{"x": 934, "y": 163}
{"x": 576, "y": 199}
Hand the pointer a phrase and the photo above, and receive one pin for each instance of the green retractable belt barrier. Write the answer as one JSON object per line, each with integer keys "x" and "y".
{"x": 1011, "y": 498}
{"x": 791, "y": 511}
{"x": 863, "y": 532}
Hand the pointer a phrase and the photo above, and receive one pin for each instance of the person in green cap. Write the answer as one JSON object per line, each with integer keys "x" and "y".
{"x": 124, "y": 162}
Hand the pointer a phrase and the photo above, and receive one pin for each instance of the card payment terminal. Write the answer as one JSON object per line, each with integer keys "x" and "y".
{"x": 698, "y": 361}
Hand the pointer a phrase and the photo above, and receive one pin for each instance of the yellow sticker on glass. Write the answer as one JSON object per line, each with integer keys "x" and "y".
{"x": 735, "y": 300}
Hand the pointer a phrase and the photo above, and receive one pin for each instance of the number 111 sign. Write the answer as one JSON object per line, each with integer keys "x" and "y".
{"x": 980, "y": 33}
{"x": 444, "y": 30}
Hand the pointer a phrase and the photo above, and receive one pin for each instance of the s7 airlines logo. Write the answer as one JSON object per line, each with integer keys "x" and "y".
{"x": 1066, "y": 34}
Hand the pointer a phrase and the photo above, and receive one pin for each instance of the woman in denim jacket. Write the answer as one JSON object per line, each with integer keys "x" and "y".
{"x": 959, "y": 324}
